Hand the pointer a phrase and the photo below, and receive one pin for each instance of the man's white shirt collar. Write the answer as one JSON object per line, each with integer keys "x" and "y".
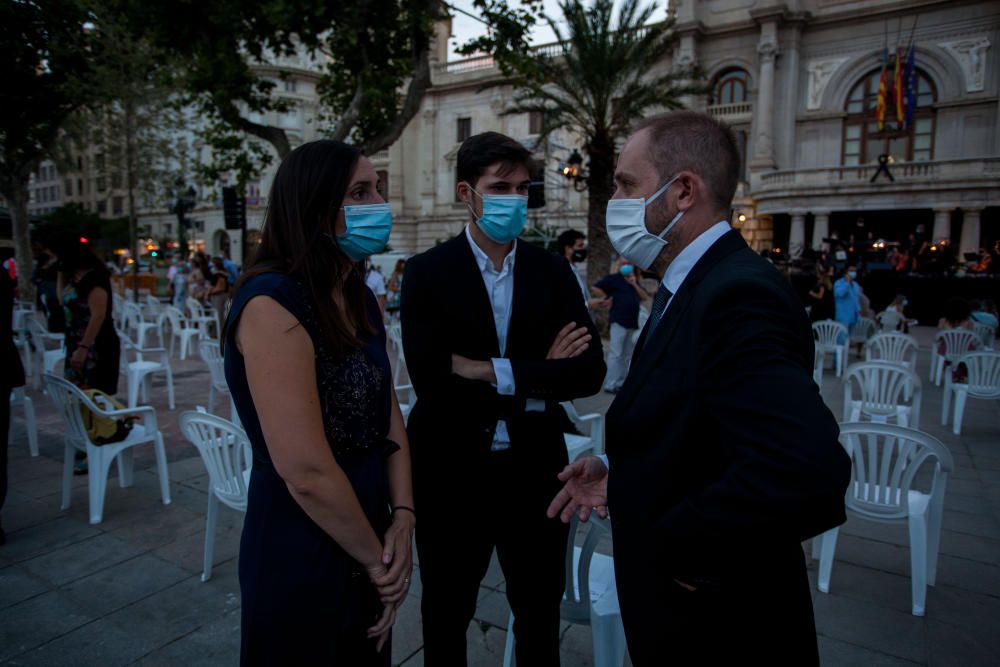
{"x": 679, "y": 269}
{"x": 483, "y": 260}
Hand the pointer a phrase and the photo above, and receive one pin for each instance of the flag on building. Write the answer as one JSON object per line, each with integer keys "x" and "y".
{"x": 910, "y": 75}
{"x": 882, "y": 101}
{"x": 898, "y": 91}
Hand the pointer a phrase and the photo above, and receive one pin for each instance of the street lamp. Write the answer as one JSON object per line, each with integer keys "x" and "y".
{"x": 573, "y": 171}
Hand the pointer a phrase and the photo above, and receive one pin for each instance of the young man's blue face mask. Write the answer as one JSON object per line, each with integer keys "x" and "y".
{"x": 504, "y": 216}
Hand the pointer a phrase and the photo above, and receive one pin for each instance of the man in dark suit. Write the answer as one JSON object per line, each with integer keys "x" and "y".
{"x": 723, "y": 456}
{"x": 495, "y": 336}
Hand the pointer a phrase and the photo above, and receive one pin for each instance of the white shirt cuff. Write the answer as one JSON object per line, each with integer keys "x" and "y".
{"x": 604, "y": 457}
{"x": 505, "y": 376}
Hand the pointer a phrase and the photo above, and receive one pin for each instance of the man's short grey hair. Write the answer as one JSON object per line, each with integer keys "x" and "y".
{"x": 696, "y": 142}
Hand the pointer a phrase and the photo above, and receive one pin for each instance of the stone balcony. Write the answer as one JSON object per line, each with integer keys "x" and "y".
{"x": 738, "y": 112}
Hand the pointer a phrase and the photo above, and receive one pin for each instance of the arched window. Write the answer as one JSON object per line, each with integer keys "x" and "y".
{"x": 863, "y": 142}
{"x": 732, "y": 86}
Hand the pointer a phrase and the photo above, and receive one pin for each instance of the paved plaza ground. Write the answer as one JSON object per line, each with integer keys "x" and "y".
{"x": 128, "y": 591}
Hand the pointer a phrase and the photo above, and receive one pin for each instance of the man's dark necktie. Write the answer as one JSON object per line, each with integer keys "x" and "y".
{"x": 659, "y": 306}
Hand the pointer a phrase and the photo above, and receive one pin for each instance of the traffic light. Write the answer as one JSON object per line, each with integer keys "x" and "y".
{"x": 234, "y": 209}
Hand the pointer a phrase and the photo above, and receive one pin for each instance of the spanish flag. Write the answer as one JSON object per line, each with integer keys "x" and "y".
{"x": 882, "y": 101}
{"x": 899, "y": 90}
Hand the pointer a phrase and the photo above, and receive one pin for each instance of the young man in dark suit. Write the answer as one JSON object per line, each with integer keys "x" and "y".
{"x": 495, "y": 335}
{"x": 723, "y": 456}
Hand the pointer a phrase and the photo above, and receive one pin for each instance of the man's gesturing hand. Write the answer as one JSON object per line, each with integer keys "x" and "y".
{"x": 586, "y": 489}
{"x": 570, "y": 342}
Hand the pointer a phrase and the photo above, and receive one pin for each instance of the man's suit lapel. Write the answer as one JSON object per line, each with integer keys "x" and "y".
{"x": 651, "y": 346}
{"x": 470, "y": 278}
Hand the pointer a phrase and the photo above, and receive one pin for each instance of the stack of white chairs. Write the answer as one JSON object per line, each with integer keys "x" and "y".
{"x": 592, "y": 443}
{"x": 23, "y": 313}
{"x": 986, "y": 332}
{"x": 957, "y": 342}
{"x": 203, "y": 318}
{"x": 212, "y": 356}
{"x": 831, "y": 338}
{"x": 180, "y": 329}
{"x": 878, "y": 391}
{"x": 20, "y": 399}
{"x": 591, "y": 597}
{"x": 863, "y": 330}
{"x": 69, "y": 400}
{"x": 140, "y": 364}
{"x": 885, "y": 460}
{"x": 227, "y": 455}
{"x": 982, "y": 382}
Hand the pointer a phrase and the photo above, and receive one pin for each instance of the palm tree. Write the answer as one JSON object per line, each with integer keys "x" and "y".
{"x": 598, "y": 82}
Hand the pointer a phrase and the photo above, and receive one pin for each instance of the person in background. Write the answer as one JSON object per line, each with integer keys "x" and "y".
{"x": 231, "y": 269}
{"x": 395, "y": 286}
{"x": 218, "y": 292}
{"x": 896, "y": 307}
{"x": 573, "y": 246}
{"x": 197, "y": 279}
{"x": 986, "y": 313}
{"x": 623, "y": 291}
{"x": 179, "y": 287}
{"x": 11, "y": 376}
{"x": 847, "y": 298}
{"x": 324, "y": 563}
{"x": 821, "y": 296}
{"x": 175, "y": 264}
{"x": 376, "y": 283}
{"x": 46, "y": 278}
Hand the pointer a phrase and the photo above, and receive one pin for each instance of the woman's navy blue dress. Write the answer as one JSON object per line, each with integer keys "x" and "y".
{"x": 305, "y": 601}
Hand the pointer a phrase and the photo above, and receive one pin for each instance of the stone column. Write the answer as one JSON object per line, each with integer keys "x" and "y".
{"x": 821, "y": 229}
{"x": 942, "y": 225}
{"x": 767, "y": 48}
{"x": 797, "y": 236}
{"x": 971, "y": 227}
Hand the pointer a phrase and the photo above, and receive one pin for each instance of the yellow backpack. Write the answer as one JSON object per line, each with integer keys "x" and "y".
{"x": 104, "y": 430}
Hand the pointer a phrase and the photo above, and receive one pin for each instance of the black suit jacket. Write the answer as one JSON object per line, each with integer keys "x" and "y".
{"x": 723, "y": 458}
{"x": 445, "y": 310}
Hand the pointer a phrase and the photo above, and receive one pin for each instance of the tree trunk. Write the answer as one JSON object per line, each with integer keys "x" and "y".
{"x": 600, "y": 187}
{"x": 18, "y": 199}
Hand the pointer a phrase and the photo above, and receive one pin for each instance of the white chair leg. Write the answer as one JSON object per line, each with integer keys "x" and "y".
{"x": 126, "y": 468}
{"x": 933, "y": 542}
{"x": 211, "y": 399}
{"x": 509, "y": 660}
{"x": 170, "y": 386}
{"x": 147, "y": 388}
{"x": 828, "y": 548}
{"x": 161, "y": 469}
{"x": 609, "y": 640}
{"x": 133, "y": 388}
{"x": 945, "y": 400}
{"x": 918, "y": 562}
{"x": 98, "y": 465}
{"x": 210, "y": 521}
{"x": 29, "y": 422}
{"x": 960, "y": 396}
{"x": 69, "y": 452}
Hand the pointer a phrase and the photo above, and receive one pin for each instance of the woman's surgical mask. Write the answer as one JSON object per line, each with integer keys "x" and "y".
{"x": 626, "y": 223}
{"x": 368, "y": 228}
{"x": 626, "y": 270}
{"x": 504, "y": 216}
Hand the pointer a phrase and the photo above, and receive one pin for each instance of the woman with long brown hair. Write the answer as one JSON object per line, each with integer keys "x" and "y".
{"x": 325, "y": 556}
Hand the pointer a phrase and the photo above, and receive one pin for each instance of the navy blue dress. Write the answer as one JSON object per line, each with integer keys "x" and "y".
{"x": 305, "y": 601}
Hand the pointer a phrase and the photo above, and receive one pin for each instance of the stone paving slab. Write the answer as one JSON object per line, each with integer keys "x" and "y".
{"x": 128, "y": 591}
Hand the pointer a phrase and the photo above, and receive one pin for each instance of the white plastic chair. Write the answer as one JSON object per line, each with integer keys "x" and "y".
{"x": 885, "y": 460}
{"x": 957, "y": 342}
{"x": 200, "y": 316}
{"x": 139, "y": 371}
{"x": 863, "y": 329}
{"x": 45, "y": 356}
{"x": 987, "y": 334}
{"x": 210, "y": 352}
{"x": 20, "y": 399}
{"x": 227, "y": 455}
{"x": 591, "y": 597}
{"x": 890, "y": 319}
{"x": 180, "y": 329}
{"x": 68, "y": 400}
{"x": 593, "y": 442}
{"x": 404, "y": 392}
{"x": 878, "y": 391}
{"x": 831, "y": 338}
{"x": 136, "y": 321}
{"x": 893, "y": 348}
{"x": 983, "y": 382}
{"x": 153, "y": 307}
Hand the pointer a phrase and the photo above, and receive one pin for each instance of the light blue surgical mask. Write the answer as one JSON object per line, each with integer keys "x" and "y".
{"x": 626, "y": 270}
{"x": 853, "y": 275}
{"x": 368, "y": 228}
{"x": 504, "y": 216}
{"x": 905, "y": 302}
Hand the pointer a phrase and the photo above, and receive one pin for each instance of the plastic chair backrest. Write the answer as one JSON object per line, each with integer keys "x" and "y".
{"x": 884, "y": 461}
{"x": 576, "y": 603}
{"x": 226, "y": 452}
{"x": 890, "y": 319}
{"x": 987, "y": 334}
{"x": 881, "y": 386}
{"x": 175, "y": 317}
{"x": 211, "y": 354}
{"x": 892, "y": 347}
{"x": 983, "y": 373}
{"x": 194, "y": 307}
{"x": 68, "y": 399}
{"x": 828, "y": 333}
{"x": 958, "y": 342}
{"x": 863, "y": 329}
{"x": 154, "y": 305}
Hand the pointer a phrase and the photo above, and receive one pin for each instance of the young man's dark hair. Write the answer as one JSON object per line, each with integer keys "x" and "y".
{"x": 568, "y": 239}
{"x": 480, "y": 151}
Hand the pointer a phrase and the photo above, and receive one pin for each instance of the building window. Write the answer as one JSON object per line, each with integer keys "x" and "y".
{"x": 102, "y": 207}
{"x": 102, "y": 184}
{"x": 289, "y": 85}
{"x": 168, "y": 228}
{"x": 383, "y": 183}
{"x": 863, "y": 142}
{"x": 535, "y": 121}
{"x": 116, "y": 179}
{"x": 118, "y": 205}
{"x": 464, "y": 129}
{"x": 79, "y": 163}
{"x": 68, "y": 187}
{"x": 79, "y": 187}
{"x": 732, "y": 87}
{"x": 99, "y": 162}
